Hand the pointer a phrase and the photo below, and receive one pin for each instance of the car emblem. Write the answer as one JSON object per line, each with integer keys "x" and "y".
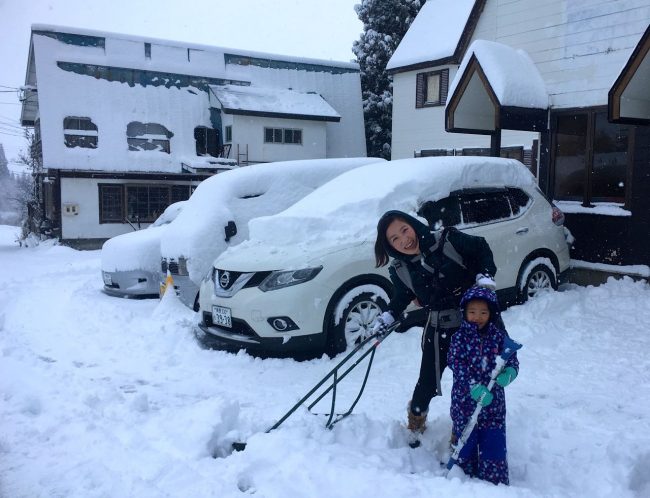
{"x": 224, "y": 279}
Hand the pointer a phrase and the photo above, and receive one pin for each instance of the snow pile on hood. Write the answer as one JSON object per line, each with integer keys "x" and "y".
{"x": 240, "y": 195}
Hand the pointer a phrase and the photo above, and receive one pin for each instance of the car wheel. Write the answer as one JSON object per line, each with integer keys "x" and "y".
{"x": 540, "y": 278}
{"x": 354, "y": 315}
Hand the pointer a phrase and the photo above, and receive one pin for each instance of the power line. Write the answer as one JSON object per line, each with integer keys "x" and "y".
{"x": 10, "y": 87}
{"x": 10, "y": 134}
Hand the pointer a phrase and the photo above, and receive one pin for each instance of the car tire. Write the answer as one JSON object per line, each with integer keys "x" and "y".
{"x": 357, "y": 317}
{"x": 538, "y": 279}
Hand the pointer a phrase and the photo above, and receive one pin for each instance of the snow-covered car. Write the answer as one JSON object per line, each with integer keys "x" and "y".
{"x": 131, "y": 261}
{"x": 306, "y": 278}
{"x": 218, "y": 212}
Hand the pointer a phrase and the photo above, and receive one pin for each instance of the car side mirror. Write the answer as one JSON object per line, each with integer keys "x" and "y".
{"x": 230, "y": 229}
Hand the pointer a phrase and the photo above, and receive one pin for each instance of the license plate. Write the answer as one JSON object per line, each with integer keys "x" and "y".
{"x": 221, "y": 316}
{"x": 107, "y": 279}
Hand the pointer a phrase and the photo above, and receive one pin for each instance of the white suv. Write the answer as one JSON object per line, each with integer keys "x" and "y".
{"x": 306, "y": 280}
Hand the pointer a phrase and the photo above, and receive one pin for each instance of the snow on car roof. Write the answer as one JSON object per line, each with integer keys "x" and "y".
{"x": 347, "y": 208}
{"x": 240, "y": 195}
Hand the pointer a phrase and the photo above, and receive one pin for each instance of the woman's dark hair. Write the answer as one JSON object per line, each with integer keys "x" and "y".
{"x": 381, "y": 244}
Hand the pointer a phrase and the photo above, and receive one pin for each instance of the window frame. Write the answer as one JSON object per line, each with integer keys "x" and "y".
{"x": 155, "y": 139}
{"x": 209, "y": 141}
{"x": 85, "y": 137}
{"x": 421, "y": 84}
{"x": 228, "y": 134}
{"x": 175, "y": 193}
{"x": 587, "y": 198}
{"x": 281, "y": 133}
{"x": 118, "y": 188}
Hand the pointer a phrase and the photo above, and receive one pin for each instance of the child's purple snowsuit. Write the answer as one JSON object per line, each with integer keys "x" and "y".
{"x": 472, "y": 356}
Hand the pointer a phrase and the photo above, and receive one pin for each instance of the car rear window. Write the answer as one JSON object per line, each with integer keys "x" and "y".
{"x": 518, "y": 200}
{"x": 484, "y": 207}
{"x": 444, "y": 212}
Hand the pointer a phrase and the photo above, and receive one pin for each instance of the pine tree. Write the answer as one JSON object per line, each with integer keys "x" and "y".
{"x": 385, "y": 23}
{"x": 4, "y": 170}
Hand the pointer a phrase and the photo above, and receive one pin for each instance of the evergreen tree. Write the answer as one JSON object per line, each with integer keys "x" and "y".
{"x": 4, "y": 170}
{"x": 385, "y": 23}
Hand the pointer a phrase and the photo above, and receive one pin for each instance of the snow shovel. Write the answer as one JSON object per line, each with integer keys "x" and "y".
{"x": 336, "y": 378}
{"x": 509, "y": 348}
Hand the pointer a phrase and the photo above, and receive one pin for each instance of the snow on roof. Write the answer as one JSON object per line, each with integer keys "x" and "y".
{"x": 511, "y": 72}
{"x": 434, "y": 33}
{"x": 249, "y": 99}
{"x": 197, "y": 46}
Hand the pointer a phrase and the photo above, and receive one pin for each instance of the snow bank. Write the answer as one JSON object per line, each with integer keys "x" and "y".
{"x": 114, "y": 398}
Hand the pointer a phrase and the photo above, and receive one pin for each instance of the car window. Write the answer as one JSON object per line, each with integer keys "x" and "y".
{"x": 445, "y": 212}
{"x": 484, "y": 207}
{"x": 518, "y": 200}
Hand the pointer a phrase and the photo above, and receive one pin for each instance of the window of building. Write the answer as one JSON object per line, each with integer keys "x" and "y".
{"x": 181, "y": 192}
{"x": 79, "y": 132}
{"x": 144, "y": 203}
{"x": 207, "y": 141}
{"x": 591, "y": 157}
{"x": 148, "y": 136}
{"x": 147, "y": 50}
{"x": 283, "y": 136}
{"x": 138, "y": 203}
{"x": 111, "y": 203}
{"x": 228, "y": 134}
{"x": 431, "y": 88}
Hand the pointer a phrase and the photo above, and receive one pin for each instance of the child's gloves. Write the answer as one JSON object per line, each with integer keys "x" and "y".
{"x": 480, "y": 394}
{"x": 484, "y": 280}
{"x": 506, "y": 377}
{"x": 382, "y": 323}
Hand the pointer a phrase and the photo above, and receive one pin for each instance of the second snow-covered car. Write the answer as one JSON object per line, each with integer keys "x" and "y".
{"x": 130, "y": 261}
{"x": 216, "y": 216}
{"x": 306, "y": 279}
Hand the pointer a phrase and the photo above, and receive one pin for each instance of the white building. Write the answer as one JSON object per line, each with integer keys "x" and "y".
{"x": 562, "y": 85}
{"x": 127, "y": 125}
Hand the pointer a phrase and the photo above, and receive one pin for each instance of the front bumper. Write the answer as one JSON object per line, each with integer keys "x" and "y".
{"x": 133, "y": 283}
{"x": 243, "y": 337}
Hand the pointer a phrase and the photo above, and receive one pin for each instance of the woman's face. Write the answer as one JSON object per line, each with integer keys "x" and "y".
{"x": 402, "y": 237}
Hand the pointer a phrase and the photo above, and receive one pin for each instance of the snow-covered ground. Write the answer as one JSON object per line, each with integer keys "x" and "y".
{"x": 107, "y": 397}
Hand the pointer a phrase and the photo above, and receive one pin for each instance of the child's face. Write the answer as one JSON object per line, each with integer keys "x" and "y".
{"x": 477, "y": 312}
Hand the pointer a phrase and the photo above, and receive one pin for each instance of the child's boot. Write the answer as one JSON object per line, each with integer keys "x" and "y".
{"x": 416, "y": 426}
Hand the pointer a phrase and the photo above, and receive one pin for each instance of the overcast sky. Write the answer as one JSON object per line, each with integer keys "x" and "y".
{"x": 321, "y": 29}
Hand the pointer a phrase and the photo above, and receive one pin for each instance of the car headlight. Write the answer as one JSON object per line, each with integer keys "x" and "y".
{"x": 280, "y": 279}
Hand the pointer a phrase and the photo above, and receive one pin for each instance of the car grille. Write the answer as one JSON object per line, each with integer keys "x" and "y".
{"x": 238, "y": 326}
{"x": 172, "y": 266}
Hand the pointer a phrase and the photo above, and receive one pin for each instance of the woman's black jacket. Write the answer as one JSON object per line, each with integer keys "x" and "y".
{"x": 443, "y": 288}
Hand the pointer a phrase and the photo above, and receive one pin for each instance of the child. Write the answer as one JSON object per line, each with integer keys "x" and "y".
{"x": 472, "y": 356}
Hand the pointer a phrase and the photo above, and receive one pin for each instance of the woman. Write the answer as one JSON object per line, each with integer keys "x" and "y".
{"x": 435, "y": 268}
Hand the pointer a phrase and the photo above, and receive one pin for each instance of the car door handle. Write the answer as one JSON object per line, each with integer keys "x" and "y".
{"x": 522, "y": 231}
